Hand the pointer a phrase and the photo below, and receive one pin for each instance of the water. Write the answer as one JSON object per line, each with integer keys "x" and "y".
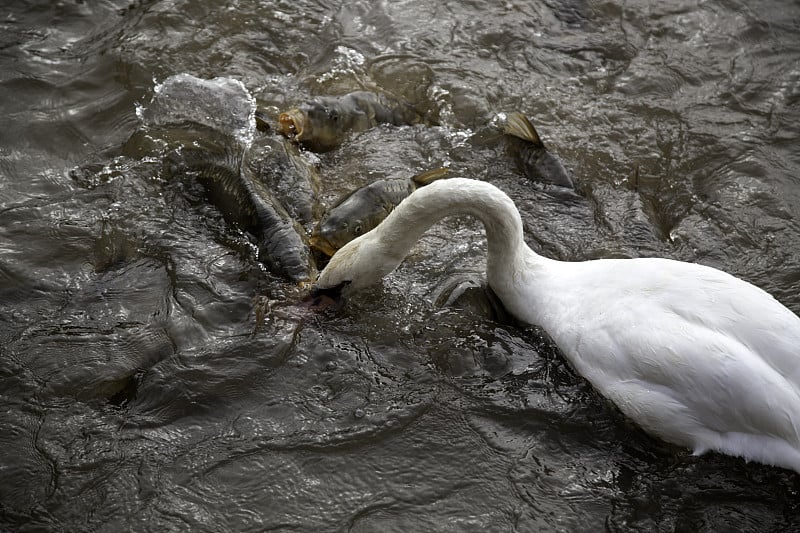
{"x": 140, "y": 390}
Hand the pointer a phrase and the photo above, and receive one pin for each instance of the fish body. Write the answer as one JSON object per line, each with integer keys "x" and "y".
{"x": 321, "y": 124}
{"x": 245, "y": 201}
{"x": 536, "y": 161}
{"x": 205, "y": 130}
{"x": 365, "y": 208}
{"x": 291, "y": 176}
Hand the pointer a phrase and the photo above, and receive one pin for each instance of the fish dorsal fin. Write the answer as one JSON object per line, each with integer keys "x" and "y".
{"x": 429, "y": 176}
{"x": 518, "y": 125}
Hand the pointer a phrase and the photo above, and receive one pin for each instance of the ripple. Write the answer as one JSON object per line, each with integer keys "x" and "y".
{"x": 24, "y": 461}
{"x": 102, "y": 336}
{"x": 300, "y": 391}
{"x": 139, "y": 393}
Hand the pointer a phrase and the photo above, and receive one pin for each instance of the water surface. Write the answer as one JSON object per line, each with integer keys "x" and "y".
{"x": 141, "y": 388}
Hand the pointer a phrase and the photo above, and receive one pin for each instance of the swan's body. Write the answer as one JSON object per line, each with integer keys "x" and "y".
{"x": 693, "y": 355}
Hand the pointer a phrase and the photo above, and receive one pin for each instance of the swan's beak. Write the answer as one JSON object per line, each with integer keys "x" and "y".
{"x": 320, "y": 299}
{"x": 330, "y": 292}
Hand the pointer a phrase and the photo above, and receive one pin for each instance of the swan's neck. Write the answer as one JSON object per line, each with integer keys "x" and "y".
{"x": 455, "y": 196}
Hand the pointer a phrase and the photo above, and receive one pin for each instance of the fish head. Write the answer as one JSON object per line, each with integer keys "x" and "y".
{"x": 336, "y": 230}
{"x": 317, "y": 125}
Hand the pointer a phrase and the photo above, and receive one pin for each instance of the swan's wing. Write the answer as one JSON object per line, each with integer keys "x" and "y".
{"x": 714, "y": 383}
{"x": 684, "y": 349}
{"x": 640, "y": 299}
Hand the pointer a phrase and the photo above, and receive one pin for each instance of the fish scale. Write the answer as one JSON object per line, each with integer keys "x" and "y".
{"x": 364, "y": 208}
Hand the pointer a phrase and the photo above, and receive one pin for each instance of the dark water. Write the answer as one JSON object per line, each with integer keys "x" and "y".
{"x": 140, "y": 390}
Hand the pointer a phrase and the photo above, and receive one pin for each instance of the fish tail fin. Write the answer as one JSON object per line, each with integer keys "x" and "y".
{"x": 519, "y": 126}
{"x": 430, "y": 176}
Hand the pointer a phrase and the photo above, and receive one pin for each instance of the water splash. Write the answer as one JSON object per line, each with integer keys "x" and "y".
{"x": 348, "y": 62}
{"x": 222, "y": 104}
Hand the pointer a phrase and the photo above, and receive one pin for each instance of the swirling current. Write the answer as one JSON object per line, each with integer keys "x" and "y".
{"x": 155, "y": 375}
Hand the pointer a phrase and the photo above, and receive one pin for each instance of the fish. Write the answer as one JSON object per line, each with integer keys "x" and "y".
{"x": 468, "y": 291}
{"x": 321, "y": 124}
{"x": 363, "y": 209}
{"x": 537, "y": 161}
{"x": 212, "y": 131}
{"x": 245, "y": 201}
{"x": 290, "y": 174}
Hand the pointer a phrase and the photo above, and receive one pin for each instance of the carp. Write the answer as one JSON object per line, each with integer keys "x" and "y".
{"x": 321, "y": 124}
{"x": 365, "y": 208}
{"x": 245, "y": 201}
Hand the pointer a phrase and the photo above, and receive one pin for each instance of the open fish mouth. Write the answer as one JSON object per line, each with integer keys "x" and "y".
{"x": 292, "y": 123}
{"x": 320, "y": 243}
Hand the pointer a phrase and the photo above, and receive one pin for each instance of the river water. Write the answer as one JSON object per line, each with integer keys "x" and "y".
{"x": 141, "y": 388}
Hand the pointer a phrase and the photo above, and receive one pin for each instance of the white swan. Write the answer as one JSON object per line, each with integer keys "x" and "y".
{"x": 693, "y": 355}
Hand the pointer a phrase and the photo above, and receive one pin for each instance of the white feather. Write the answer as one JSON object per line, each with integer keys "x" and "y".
{"x": 693, "y": 355}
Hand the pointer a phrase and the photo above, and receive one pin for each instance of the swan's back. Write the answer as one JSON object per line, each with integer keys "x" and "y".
{"x": 694, "y": 355}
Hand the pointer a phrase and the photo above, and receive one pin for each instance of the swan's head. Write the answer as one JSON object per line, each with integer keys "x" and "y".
{"x": 360, "y": 263}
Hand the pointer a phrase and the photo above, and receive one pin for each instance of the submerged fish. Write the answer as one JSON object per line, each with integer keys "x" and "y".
{"x": 537, "y": 162}
{"x": 363, "y": 209}
{"x": 468, "y": 291}
{"x": 245, "y": 201}
{"x": 322, "y": 123}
